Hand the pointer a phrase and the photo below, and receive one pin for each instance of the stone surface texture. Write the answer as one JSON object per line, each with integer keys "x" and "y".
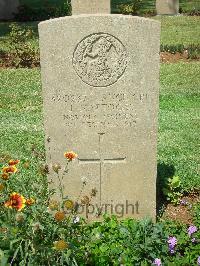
{"x": 7, "y": 8}
{"x": 100, "y": 78}
{"x": 90, "y": 6}
{"x": 167, "y": 7}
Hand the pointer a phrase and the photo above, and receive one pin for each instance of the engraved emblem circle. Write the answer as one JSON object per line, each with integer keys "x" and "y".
{"x": 100, "y": 59}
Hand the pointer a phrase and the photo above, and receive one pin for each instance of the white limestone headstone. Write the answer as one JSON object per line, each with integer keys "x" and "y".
{"x": 100, "y": 78}
{"x": 167, "y": 7}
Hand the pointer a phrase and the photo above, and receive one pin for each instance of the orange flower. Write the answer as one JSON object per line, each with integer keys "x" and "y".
{"x": 59, "y": 216}
{"x": 60, "y": 245}
{"x": 13, "y": 162}
{"x": 5, "y": 176}
{"x": 16, "y": 201}
{"x": 30, "y": 201}
{"x": 9, "y": 169}
{"x": 70, "y": 155}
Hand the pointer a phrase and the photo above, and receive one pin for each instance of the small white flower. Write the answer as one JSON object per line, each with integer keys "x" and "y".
{"x": 76, "y": 220}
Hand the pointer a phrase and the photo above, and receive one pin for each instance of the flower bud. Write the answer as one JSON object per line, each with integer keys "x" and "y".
{"x": 56, "y": 167}
{"x": 19, "y": 217}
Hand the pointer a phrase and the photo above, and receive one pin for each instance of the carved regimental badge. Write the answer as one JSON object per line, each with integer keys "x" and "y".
{"x": 100, "y": 59}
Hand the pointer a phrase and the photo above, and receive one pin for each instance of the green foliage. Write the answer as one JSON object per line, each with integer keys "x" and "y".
{"x": 29, "y": 236}
{"x": 187, "y": 7}
{"x": 43, "y": 11}
{"x": 196, "y": 214}
{"x": 192, "y": 50}
{"x": 34, "y": 236}
{"x": 21, "y": 50}
{"x": 127, "y": 242}
{"x": 173, "y": 190}
{"x": 132, "y": 8}
{"x": 195, "y": 11}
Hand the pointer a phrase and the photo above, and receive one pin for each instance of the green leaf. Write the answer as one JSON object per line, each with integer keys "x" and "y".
{"x": 175, "y": 181}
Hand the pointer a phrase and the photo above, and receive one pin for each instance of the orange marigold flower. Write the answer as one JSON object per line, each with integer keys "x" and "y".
{"x": 5, "y": 176}
{"x": 1, "y": 187}
{"x": 13, "y": 162}
{"x": 16, "y": 201}
{"x": 30, "y": 201}
{"x": 59, "y": 216}
{"x": 60, "y": 245}
{"x": 9, "y": 169}
{"x": 69, "y": 204}
{"x": 70, "y": 155}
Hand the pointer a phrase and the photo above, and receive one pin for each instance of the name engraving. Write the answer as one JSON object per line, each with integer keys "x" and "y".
{"x": 108, "y": 110}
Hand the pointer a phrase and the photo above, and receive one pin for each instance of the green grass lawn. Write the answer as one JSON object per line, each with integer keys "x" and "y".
{"x": 21, "y": 117}
{"x": 179, "y": 30}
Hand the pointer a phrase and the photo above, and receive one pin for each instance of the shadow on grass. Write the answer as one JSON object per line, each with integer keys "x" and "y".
{"x": 164, "y": 171}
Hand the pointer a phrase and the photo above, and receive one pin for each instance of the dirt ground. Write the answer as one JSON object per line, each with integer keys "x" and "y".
{"x": 182, "y": 212}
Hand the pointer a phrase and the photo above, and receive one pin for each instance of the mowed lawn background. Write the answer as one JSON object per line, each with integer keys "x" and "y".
{"x": 179, "y": 125}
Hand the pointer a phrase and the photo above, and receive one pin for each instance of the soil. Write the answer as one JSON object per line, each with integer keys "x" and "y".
{"x": 182, "y": 212}
{"x": 166, "y": 57}
{"x": 7, "y": 61}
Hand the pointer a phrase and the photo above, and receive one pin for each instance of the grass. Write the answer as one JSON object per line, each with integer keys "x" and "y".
{"x": 179, "y": 120}
{"x": 179, "y": 30}
{"x": 21, "y": 117}
{"x": 21, "y": 125}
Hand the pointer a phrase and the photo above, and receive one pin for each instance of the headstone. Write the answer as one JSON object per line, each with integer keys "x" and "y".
{"x": 8, "y": 8}
{"x": 167, "y": 7}
{"x": 100, "y": 78}
{"x": 90, "y": 6}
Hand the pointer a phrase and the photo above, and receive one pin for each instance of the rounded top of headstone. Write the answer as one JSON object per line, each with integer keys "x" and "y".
{"x": 113, "y": 17}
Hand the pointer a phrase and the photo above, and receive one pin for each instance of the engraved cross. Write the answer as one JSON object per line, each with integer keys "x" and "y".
{"x": 101, "y": 161}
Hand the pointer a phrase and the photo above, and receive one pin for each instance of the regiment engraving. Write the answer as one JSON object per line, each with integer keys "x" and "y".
{"x": 100, "y": 59}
